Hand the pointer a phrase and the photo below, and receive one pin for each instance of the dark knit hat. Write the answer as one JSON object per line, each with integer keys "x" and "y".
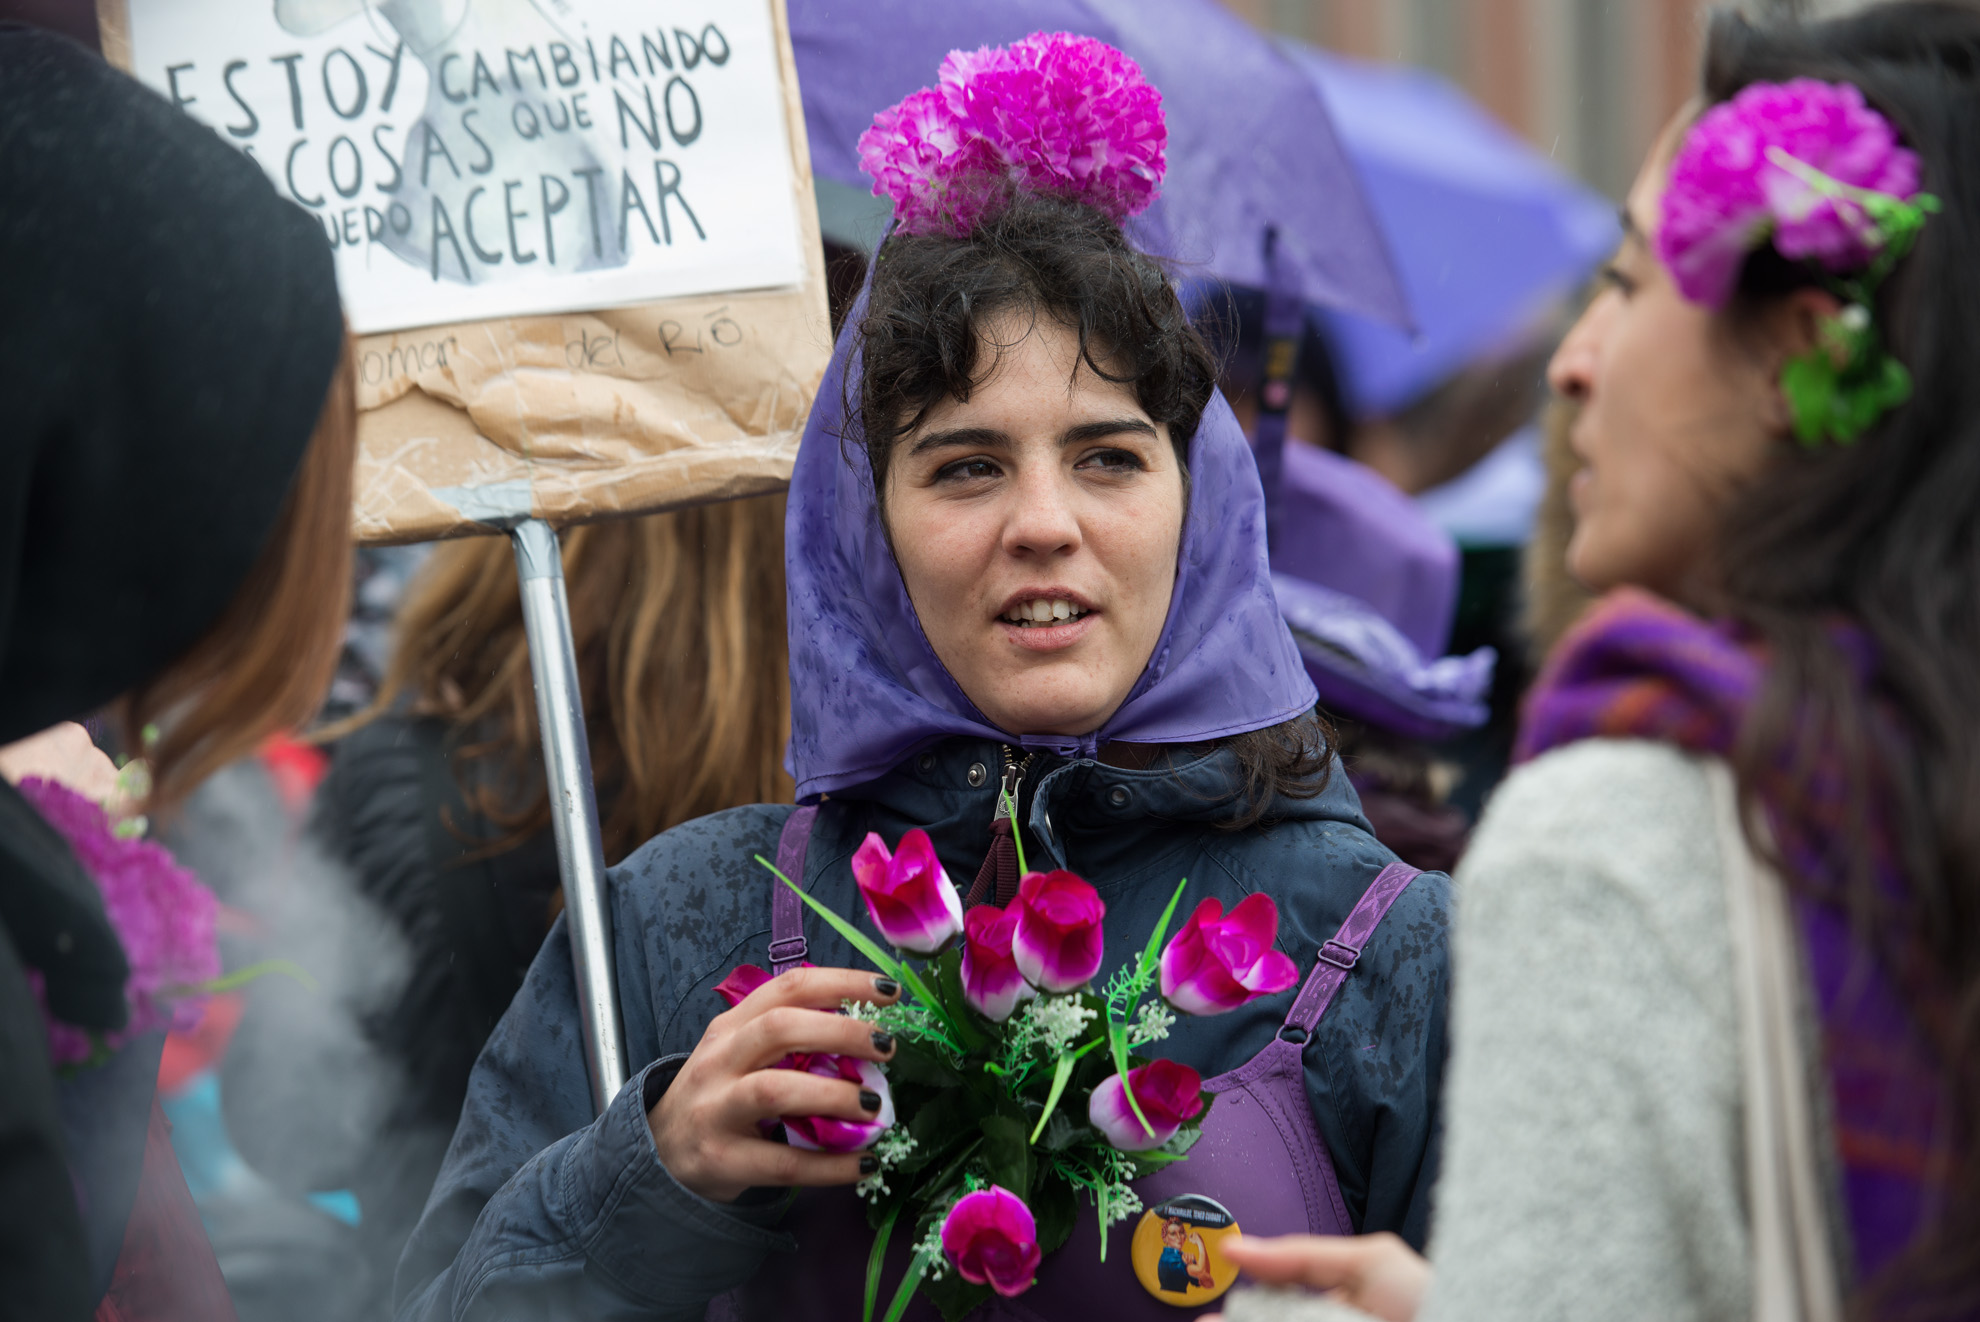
{"x": 169, "y": 327}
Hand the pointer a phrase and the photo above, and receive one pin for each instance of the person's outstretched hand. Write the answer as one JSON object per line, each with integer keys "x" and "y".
{"x": 1377, "y": 1274}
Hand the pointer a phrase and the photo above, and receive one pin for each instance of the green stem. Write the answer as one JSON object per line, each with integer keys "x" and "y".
{"x": 876, "y": 1259}
{"x": 1017, "y": 835}
{"x": 886, "y": 963}
{"x": 916, "y": 1270}
{"x": 242, "y": 976}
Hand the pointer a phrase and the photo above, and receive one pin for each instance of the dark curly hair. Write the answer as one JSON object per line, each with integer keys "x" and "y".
{"x": 923, "y": 339}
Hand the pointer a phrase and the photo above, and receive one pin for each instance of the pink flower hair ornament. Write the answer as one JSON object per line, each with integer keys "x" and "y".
{"x": 1054, "y": 113}
{"x": 1814, "y": 170}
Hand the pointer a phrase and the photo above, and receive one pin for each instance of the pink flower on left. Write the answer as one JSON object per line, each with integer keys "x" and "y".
{"x": 912, "y": 901}
{"x": 163, "y": 916}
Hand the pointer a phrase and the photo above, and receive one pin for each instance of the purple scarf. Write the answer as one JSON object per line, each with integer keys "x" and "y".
{"x": 867, "y": 690}
{"x": 1639, "y": 667}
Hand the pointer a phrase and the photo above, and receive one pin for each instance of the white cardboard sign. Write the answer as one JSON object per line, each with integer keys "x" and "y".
{"x": 480, "y": 159}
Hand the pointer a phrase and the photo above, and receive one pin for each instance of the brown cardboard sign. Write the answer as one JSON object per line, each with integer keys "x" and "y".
{"x": 576, "y": 237}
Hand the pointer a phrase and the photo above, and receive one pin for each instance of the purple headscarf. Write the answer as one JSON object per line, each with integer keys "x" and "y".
{"x": 868, "y": 691}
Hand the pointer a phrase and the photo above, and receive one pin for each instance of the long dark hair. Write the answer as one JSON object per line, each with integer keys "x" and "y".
{"x": 922, "y": 340}
{"x": 1885, "y": 534}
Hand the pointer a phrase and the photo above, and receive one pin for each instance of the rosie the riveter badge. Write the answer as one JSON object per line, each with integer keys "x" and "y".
{"x": 1178, "y": 1251}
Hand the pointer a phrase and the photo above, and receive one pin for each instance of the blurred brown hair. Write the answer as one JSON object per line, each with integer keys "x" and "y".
{"x": 678, "y": 621}
{"x": 265, "y": 664}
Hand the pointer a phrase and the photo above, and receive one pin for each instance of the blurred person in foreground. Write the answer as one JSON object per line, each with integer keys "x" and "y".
{"x": 436, "y": 807}
{"x": 182, "y": 432}
{"x": 1683, "y": 1086}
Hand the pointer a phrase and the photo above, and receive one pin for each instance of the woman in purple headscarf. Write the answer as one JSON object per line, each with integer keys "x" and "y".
{"x": 1714, "y": 1046}
{"x": 1026, "y": 556}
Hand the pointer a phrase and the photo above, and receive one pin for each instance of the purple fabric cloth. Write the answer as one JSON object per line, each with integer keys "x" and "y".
{"x": 1639, "y": 667}
{"x": 1348, "y": 528}
{"x": 867, "y": 689}
{"x": 1365, "y": 669}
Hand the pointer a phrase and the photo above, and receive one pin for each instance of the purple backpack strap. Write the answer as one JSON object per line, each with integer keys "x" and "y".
{"x": 787, "y": 947}
{"x": 1338, "y": 955}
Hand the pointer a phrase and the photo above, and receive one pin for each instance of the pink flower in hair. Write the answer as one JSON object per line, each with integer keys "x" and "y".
{"x": 1053, "y": 113}
{"x": 1730, "y": 191}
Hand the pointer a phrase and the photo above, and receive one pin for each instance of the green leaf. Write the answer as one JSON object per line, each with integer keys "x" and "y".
{"x": 1059, "y": 1077}
{"x": 915, "y": 1064}
{"x": 877, "y": 1259}
{"x": 945, "y": 976}
{"x": 1151, "y": 953}
{"x": 1005, "y": 1153}
{"x": 1809, "y": 382}
{"x": 1055, "y": 1208}
{"x": 954, "y": 1296}
{"x": 1117, "y": 1038}
{"x": 916, "y": 1270}
{"x": 1062, "y": 1132}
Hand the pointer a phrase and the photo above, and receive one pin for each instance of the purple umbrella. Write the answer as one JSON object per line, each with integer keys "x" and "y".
{"x": 1485, "y": 231}
{"x": 1251, "y": 148}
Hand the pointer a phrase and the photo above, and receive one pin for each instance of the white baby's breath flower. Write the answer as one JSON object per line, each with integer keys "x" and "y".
{"x": 1151, "y": 1025}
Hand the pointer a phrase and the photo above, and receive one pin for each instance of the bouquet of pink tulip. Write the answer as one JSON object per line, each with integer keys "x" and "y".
{"x": 1016, "y": 1085}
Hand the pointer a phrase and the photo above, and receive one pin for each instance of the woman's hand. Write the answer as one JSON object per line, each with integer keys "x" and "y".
{"x": 705, "y": 1125}
{"x": 1377, "y": 1274}
{"x": 66, "y": 755}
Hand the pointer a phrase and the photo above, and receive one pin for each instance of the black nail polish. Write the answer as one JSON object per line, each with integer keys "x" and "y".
{"x": 884, "y": 1043}
{"x": 868, "y": 1163}
{"x": 869, "y": 1100}
{"x": 887, "y": 986}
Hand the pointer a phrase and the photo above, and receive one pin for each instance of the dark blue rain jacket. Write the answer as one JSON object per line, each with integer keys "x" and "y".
{"x": 544, "y": 1211}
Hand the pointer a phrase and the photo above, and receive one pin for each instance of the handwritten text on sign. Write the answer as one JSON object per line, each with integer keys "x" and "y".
{"x": 474, "y": 159}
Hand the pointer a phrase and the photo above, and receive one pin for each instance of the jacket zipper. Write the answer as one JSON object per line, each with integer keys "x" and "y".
{"x": 1007, "y": 794}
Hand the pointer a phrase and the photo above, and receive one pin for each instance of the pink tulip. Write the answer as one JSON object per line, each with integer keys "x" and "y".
{"x": 991, "y": 1237}
{"x": 913, "y": 902}
{"x": 990, "y": 978}
{"x": 820, "y": 1133}
{"x": 1169, "y": 1094}
{"x": 1219, "y": 961}
{"x": 742, "y": 980}
{"x": 1057, "y": 942}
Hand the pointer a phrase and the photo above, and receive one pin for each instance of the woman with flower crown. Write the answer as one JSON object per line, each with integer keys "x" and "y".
{"x": 1030, "y": 614}
{"x": 1714, "y": 1047}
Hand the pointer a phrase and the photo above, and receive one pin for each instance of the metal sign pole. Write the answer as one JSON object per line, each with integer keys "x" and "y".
{"x": 573, "y": 802}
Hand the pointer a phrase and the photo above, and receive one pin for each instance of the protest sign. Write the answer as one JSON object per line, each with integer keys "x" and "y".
{"x": 576, "y": 237}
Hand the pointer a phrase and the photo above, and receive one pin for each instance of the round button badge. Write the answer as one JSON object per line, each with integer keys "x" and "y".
{"x": 1178, "y": 1251}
